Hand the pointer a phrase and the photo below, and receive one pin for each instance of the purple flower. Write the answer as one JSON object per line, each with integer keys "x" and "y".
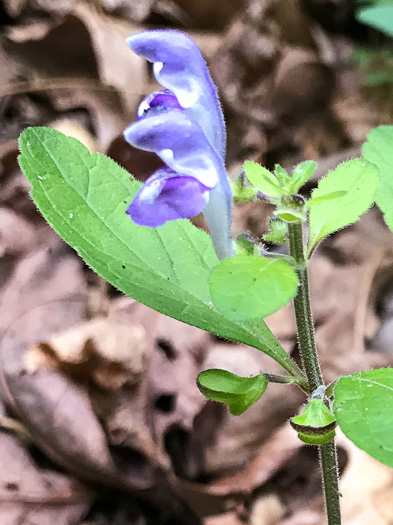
{"x": 184, "y": 125}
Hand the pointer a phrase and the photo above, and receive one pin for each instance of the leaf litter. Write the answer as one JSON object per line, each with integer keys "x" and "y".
{"x": 101, "y": 420}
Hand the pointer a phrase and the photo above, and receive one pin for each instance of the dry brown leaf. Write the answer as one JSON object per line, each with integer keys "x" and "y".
{"x": 252, "y": 484}
{"x": 14, "y": 7}
{"x": 72, "y": 128}
{"x": 34, "y": 495}
{"x": 109, "y": 352}
{"x": 262, "y": 68}
{"x": 117, "y": 65}
{"x": 109, "y": 357}
{"x": 305, "y": 517}
{"x": 229, "y": 518}
{"x": 366, "y": 487}
{"x": 106, "y": 112}
{"x": 61, "y": 421}
{"x": 14, "y": 186}
{"x": 270, "y": 457}
{"x": 45, "y": 294}
{"x": 141, "y": 164}
{"x": 16, "y": 234}
{"x": 204, "y": 14}
{"x": 137, "y": 10}
{"x": 176, "y": 414}
{"x": 76, "y": 65}
{"x": 66, "y": 51}
{"x": 267, "y": 510}
{"x": 60, "y": 417}
{"x": 338, "y": 300}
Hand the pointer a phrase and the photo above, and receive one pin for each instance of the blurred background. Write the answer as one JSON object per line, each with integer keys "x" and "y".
{"x": 101, "y": 422}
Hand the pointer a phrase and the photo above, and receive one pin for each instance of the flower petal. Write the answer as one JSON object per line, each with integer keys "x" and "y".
{"x": 167, "y": 196}
{"x": 180, "y": 67}
{"x": 181, "y": 144}
{"x": 158, "y": 101}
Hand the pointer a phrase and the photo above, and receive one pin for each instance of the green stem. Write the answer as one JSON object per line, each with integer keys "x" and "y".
{"x": 329, "y": 469}
{"x": 303, "y": 313}
{"x": 297, "y": 380}
{"x": 309, "y": 356}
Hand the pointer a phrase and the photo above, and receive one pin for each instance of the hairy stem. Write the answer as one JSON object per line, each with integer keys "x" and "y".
{"x": 329, "y": 470}
{"x": 303, "y": 313}
{"x": 294, "y": 380}
{"x": 309, "y": 355}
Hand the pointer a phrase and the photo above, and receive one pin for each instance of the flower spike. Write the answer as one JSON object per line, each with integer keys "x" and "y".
{"x": 183, "y": 124}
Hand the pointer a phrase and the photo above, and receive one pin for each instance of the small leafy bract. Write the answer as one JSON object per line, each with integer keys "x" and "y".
{"x": 363, "y": 406}
{"x": 301, "y": 174}
{"x": 239, "y": 393}
{"x": 282, "y": 176}
{"x": 84, "y": 196}
{"x": 341, "y": 198}
{"x": 316, "y": 424}
{"x": 263, "y": 179}
{"x": 378, "y": 149}
{"x": 248, "y": 287}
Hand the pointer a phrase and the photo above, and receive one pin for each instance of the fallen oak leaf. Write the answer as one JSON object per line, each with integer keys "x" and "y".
{"x": 106, "y": 351}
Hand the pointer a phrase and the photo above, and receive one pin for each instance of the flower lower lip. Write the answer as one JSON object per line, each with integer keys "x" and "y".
{"x": 167, "y": 196}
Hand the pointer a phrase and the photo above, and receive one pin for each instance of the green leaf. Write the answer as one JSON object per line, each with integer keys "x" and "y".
{"x": 248, "y": 287}
{"x": 275, "y": 237}
{"x": 357, "y": 181}
{"x": 282, "y": 176}
{"x": 239, "y": 393}
{"x": 379, "y": 17}
{"x": 301, "y": 174}
{"x": 363, "y": 406}
{"x": 245, "y": 245}
{"x": 327, "y": 197}
{"x": 84, "y": 196}
{"x": 379, "y": 150}
{"x": 263, "y": 179}
{"x": 241, "y": 192}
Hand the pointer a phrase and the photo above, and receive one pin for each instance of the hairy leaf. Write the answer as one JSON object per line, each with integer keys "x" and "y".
{"x": 263, "y": 179}
{"x": 301, "y": 174}
{"x": 379, "y": 150}
{"x": 239, "y": 393}
{"x": 84, "y": 196}
{"x": 248, "y": 287}
{"x": 341, "y": 198}
{"x": 363, "y": 406}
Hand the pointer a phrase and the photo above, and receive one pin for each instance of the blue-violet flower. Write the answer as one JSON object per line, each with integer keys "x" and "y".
{"x": 184, "y": 125}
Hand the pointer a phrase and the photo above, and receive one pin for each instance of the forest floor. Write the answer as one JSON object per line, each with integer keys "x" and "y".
{"x": 101, "y": 422}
